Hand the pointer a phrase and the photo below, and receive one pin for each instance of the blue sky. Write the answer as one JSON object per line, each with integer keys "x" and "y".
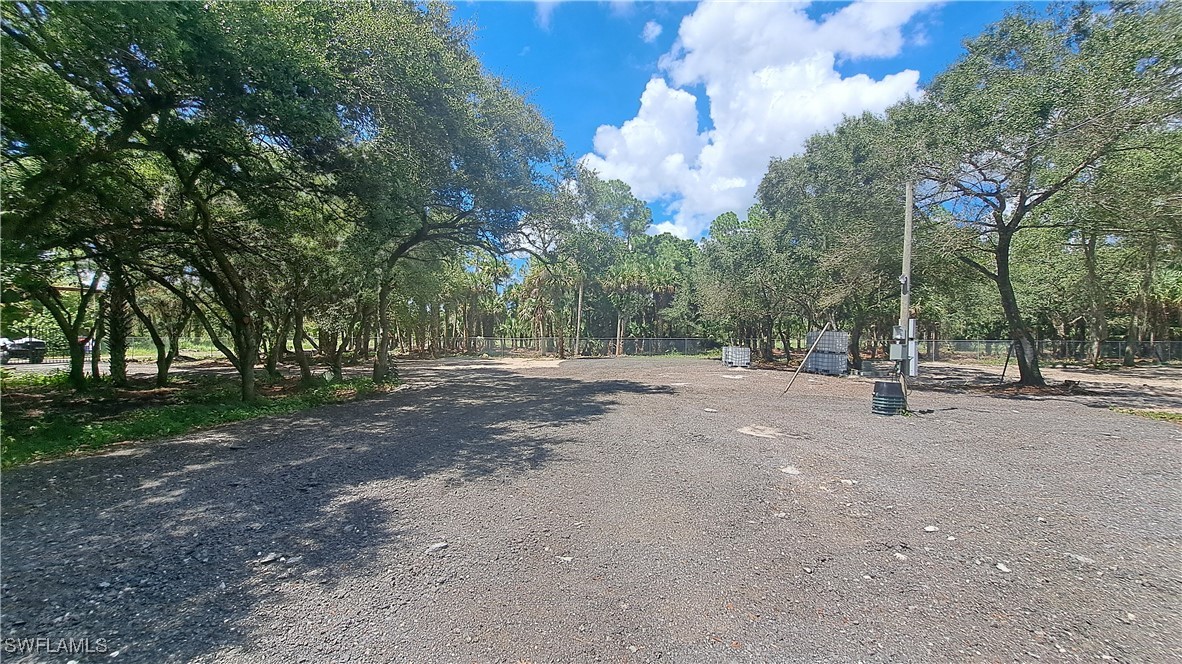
{"x": 688, "y": 101}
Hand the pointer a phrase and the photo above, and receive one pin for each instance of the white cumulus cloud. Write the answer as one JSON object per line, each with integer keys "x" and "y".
{"x": 543, "y": 10}
{"x": 670, "y": 228}
{"x": 652, "y": 30}
{"x": 769, "y": 73}
{"x": 653, "y": 152}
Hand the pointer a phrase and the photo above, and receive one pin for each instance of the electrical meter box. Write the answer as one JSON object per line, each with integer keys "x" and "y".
{"x": 898, "y": 351}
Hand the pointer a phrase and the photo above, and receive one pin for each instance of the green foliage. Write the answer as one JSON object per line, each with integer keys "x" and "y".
{"x": 356, "y": 180}
{"x": 1027, "y": 116}
{"x": 13, "y": 380}
{"x": 830, "y": 247}
{"x": 746, "y": 274}
{"x": 255, "y": 180}
{"x": 200, "y": 404}
{"x": 1165, "y": 416}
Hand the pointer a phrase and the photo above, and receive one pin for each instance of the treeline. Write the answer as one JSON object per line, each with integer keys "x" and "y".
{"x": 1047, "y": 166}
{"x": 258, "y": 168}
{"x": 298, "y": 177}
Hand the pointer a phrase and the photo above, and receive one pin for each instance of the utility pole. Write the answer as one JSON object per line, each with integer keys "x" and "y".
{"x": 905, "y": 278}
{"x": 891, "y": 398}
{"x": 903, "y": 347}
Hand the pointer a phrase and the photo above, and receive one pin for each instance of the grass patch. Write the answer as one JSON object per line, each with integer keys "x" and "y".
{"x": 43, "y": 419}
{"x": 1163, "y": 415}
{"x": 10, "y": 380}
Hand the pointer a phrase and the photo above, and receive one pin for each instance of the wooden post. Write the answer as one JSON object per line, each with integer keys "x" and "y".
{"x": 1009, "y": 350}
{"x": 806, "y": 357}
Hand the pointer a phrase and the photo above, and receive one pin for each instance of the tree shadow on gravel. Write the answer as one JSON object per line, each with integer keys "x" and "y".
{"x": 1089, "y": 390}
{"x": 163, "y": 549}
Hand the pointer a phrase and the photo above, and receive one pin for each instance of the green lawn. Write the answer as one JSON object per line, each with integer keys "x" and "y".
{"x": 42, "y": 418}
{"x": 1163, "y": 415}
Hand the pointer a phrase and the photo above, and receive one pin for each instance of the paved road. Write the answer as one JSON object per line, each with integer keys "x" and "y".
{"x": 616, "y": 510}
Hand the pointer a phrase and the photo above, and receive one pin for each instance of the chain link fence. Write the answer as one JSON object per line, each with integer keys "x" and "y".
{"x": 942, "y": 350}
{"x": 141, "y": 349}
{"x": 1049, "y": 350}
{"x": 594, "y": 347}
{"x": 19, "y": 350}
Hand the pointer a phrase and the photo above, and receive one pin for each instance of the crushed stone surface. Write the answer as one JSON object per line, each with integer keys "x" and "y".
{"x": 625, "y": 510}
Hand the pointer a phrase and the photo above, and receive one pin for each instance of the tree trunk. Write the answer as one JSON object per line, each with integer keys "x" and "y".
{"x": 437, "y": 333}
{"x": 855, "y": 345}
{"x": 249, "y": 391}
{"x": 559, "y": 332}
{"x": 165, "y": 352}
{"x": 118, "y": 326}
{"x": 1139, "y": 320}
{"x": 619, "y": 334}
{"x": 366, "y": 332}
{"x": 278, "y": 345}
{"x": 233, "y": 293}
{"x": 785, "y": 341}
{"x": 164, "y": 358}
{"x": 246, "y": 347}
{"x": 332, "y": 354}
{"x": 767, "y": 339}
{"x": 381, "y": 369}
{"x": 96, "y": 338}
{"x": 579, "y": 320}
{"x": 77, "y": 364}
{"x": 298, "y": 343}
{"x": 1025, "y": 348}
{"x": 362, "y": 342}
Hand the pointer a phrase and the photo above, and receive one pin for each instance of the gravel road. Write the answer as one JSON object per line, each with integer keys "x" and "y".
{"x": 611, "y": 510}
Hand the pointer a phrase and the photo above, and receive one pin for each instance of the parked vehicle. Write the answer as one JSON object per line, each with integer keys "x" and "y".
{"x": 28, "y": 348}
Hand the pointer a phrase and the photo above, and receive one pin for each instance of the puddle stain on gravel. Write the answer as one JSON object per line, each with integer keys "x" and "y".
{"x": 761, "y": 431}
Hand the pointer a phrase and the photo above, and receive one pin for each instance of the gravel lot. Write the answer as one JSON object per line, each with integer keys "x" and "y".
{"x": 618, "y": 510}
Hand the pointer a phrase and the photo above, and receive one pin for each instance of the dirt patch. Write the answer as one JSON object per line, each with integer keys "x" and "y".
{"x": 104, "y": 402}
{"x": 1157, "y": 388}
{"x": 459, "y": 363}
{"x": 1067, "y": 388}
